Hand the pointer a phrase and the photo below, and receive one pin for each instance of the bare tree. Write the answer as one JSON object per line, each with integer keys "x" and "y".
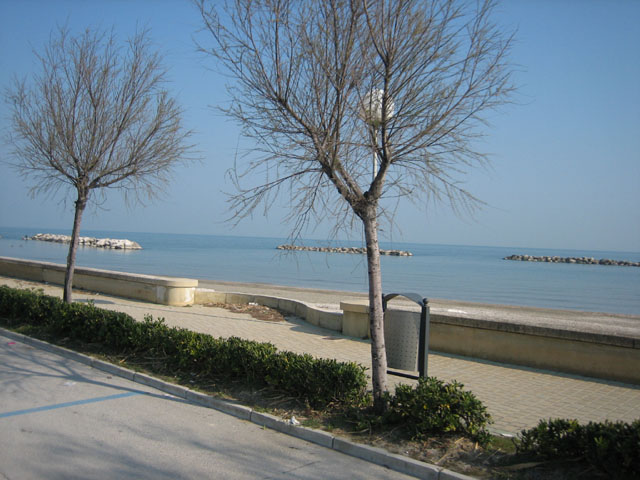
{"x": 325, "y": 86}
{"x": 95, "y": 117}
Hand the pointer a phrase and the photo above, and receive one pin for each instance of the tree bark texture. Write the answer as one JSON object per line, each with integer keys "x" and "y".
{"x": 81, "y": 203}
{"x": 376, "y": 315}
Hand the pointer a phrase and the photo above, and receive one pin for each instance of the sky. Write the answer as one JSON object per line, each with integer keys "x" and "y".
{"x": 565, "y": 156}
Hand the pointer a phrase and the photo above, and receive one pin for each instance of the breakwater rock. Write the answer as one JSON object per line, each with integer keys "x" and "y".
{"x": 578, "y": 260}
{"x": 111, "y": 243}
{"x": 357, "y": 250}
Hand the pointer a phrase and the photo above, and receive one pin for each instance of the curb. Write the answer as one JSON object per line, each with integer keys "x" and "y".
{"x": 375, "y": 455}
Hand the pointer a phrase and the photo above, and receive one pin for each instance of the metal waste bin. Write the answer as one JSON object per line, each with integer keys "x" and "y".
{"x": 403, "y": 334}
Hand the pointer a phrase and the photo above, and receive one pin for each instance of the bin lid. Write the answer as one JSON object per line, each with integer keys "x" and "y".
{"x": 419, "y": 299}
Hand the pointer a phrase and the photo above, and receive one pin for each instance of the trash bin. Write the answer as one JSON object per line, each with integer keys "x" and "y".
{"x": 406, "y": 337}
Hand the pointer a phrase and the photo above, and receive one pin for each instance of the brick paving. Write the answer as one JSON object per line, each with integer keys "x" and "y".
{"x": 517, "y": 397}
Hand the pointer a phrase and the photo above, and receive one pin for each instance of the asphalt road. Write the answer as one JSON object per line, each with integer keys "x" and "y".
{"x": 60, "y": 419}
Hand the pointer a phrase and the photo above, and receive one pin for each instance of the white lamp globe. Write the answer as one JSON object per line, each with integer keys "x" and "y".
{"x": 372, "y": 107}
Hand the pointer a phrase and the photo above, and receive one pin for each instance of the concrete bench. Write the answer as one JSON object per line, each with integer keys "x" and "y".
{"x": 150, "y": 288}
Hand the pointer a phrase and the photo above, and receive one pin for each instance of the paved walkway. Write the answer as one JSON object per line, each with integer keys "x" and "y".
{"x": 517, "y": 397}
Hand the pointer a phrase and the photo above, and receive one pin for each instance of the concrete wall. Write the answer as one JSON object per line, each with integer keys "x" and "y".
{"x": 316, "y": 316}
{"x": 591, "y": 357}
{"x": 150, "y": 288}
{"x": 594, "y": 355}
{"x": 355, "y": 319}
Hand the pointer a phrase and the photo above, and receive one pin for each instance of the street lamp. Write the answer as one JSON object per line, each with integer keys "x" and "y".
{"x": 372, "y": 104}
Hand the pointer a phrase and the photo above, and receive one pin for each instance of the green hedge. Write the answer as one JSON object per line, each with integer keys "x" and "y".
{"x": 431, "y": 407}
{"x": 318, "y": 382}
{"x": 612, "y": 448}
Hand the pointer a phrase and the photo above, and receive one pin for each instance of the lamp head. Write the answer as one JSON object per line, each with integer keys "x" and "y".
{"x": 372, "y": 107}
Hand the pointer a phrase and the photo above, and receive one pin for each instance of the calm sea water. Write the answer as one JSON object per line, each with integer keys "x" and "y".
{"x": 435, "y": 271}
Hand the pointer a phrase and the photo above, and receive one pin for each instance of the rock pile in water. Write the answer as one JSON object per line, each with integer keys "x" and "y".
{"x": 358, "y": 250}
{"x": 112, "y": 243}
{"x": 579, "y": 260}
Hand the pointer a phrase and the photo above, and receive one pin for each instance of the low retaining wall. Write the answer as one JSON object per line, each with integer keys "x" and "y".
{"x": 604, "y": 356}
{"x": 150, "y": 288}
{"x": 316, "y": 316}
{"x": 611, "y": 357}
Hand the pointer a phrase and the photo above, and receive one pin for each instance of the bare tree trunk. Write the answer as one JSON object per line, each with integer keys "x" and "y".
{"x": 376, "y": 315}
{"x": 81, "y": 203}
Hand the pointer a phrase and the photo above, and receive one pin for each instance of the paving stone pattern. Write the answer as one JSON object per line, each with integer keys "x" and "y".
{"x": 517, "y": 397}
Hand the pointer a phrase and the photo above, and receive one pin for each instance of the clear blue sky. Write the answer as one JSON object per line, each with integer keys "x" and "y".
{"x": 565, "y": 159}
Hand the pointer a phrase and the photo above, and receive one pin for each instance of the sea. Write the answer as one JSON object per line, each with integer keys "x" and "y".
{"x": 452, "y": 272}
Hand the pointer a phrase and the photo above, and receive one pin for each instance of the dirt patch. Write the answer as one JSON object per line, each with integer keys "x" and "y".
{"x": 259, "y": 312}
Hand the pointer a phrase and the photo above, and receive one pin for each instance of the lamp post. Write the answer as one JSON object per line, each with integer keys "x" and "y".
{"x": 372, "y": 106}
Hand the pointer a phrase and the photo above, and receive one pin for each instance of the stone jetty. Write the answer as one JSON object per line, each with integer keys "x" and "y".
{"x": 578, "y": 260}
{"x": 356, "y": 250}
{"x": 110, "y": 243}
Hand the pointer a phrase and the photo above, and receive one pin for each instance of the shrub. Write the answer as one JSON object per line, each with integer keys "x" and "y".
{"x": 612, "y": 448}
{"x": 32, "y": 305}
{"x": 434, "y": 407}
{"x": 248, "y": 359}
{"x": 318, "y": 382}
